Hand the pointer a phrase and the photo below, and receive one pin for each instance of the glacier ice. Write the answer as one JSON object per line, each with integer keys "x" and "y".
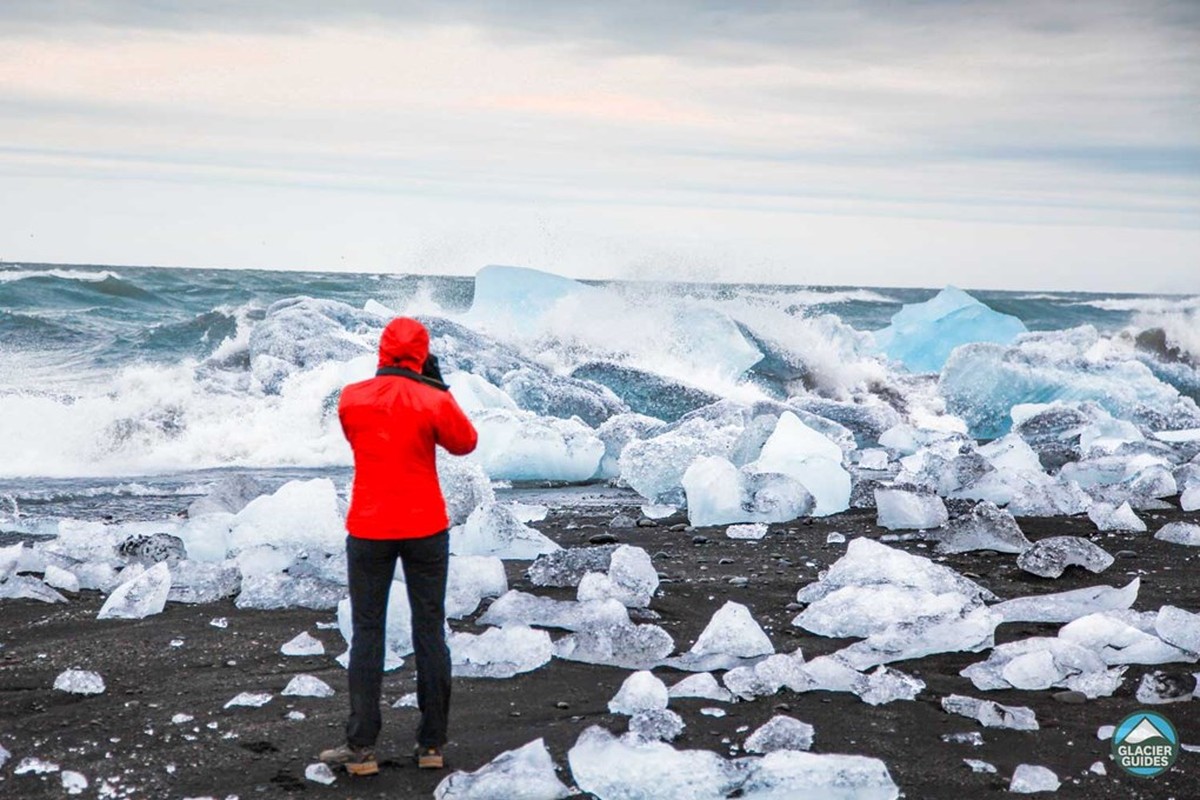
{"x": 465, "y": 486}
{"x": 719, "y": 493}
{"x": 1158, "y": 688}
{"x": 641, "y": 691}
{"x": 730, "y": 636}
{"x": 1108, "y": 518}
{"x": 646, "y": 393}
{"x": 303, "y": 644}
{"x": 753, "y": 530}
{"x": 1049, "y": 557}
{"x": 1042, "y": 662}
{"x": 249, "y": 700}
{"x": 986, "y": 527}
{"x": 519, "y": 445}
{"x": 77, "y": 681}
{"x": 1030, "y": 779}
{"x": 25, "y": 587}
{"x": 809, "y": 457}
{"x": 526, "y": 773}
{"x": 991, "y": 714}
{"x": 299, "y": 513}
{"x": 307, "y": 686}
{"x": 140, "y": 597}
{"x": 780, "y": 733}
{"x": 1119, "y": 639}
{"x": 899, "y": 509}
{"x": 627, "y": 646}
{"x": 1070, "y": 605}
{"x": 272, "y": 590}
{"x": 519, "y": 296}
{"x": 1189, "y": 500}
{"x": 660, "y": 724}
{"x": 1175, "y": 532}
{"x": 319, "y": 773}
{"x": 519, "y": 608}
{"x": 873, "y": 459}
{"x": 860, "y": 611}
{"x": 59, "y": 578}
{"x": 655, "y": 467}
{"x": 703, "y": 685}
{"x": 74, "y": 782}
{"x": 494, "y": 530}
{"x": 31, "y": 765}
{"x": 631, "y": 579}
{"x": 922, "y": 335}
{"x": 469, "y": 580}
{"x": 902, "y": 641}
{"x": 566, "y": 567}
{"x": 1178, "y": 627}
{"x": 203, "y": 582}
{"x": 618, "y": 431}
{"x": 229, "y": 495}
{"x": 499, "y": 652}
{"x": 633, "y": 769}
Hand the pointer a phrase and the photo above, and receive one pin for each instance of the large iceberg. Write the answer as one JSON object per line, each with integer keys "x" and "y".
{"x": 922, "y": 335}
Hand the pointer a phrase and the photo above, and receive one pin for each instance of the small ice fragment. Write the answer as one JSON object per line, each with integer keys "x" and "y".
{"x": 780, "y": 733}
{"x": 733, "y": 631}
{"x": 565, "y": 568}
{"x": 702, "y": 685}
{"x": 750, "y": 530}
{"x": 1109, "y": 518}
{"x": 307, "y": 686}
{"x": 303, "y": 645}
{"x": 327, "y": 626}
{"x": 1178, "y": 627}
{"x": 77, "y": 681}
{"x": 1105, "y": 732}
{"x": 1029, "y": 779}
{"x": 219, "y": 622}
{"x": 1070, "y": 605}
{"x": 1098, "y": 768}
{"x": 526, "y": 773}
{"x": 985, "y": 528}
{"x": 979, "y": 766}
{"x": 1048, "y": 558}
{"x": 899, "y": 509}
{"x": 176, "y": 643}
{"x": 60, "y": 578}
{"x": 406, "y": 701}
{"x": 4, "y": 756}
{"x": 641, "y": 691}
{"x": 493, "y": 529}
{"x": 1157, "y": 688}
{"x": 250, "y": 700}
{"x": 628, "y": 646}
{"x": 181, "y": 718}
{"x": 35, "y": 766}
{"x": 991, "y": 714}
{"x": 140, "y": 597}
{"x": 1187, "y": 533}
{"x": 712, "y": 711}
{"x": 873, "y": 459}
{"x": 74, "y": 782}
{"x": 835, "y": 538}
{"x": 296, "y": 716}
{"x": 973, "y": 738}
{"x": 319, "y": 773}
{"x": 631, "y": 578}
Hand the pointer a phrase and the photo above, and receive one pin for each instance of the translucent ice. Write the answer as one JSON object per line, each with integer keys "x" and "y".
{"x": 655, "y": 467}
{"x": 1158, "y": 688}
{"x": 733, "y": 631}
{"x": 31, "y": 765}
{"x": 307, "y": 686}
{"x": 499, "y": 652}
{"x": 1041, "y": 662}
{"x": 991, "y": 714}
{"x": 904, "y": 510}
{"x": 1030, "y": 779}
{"x": 526, "y": 773}
{"x": 1178, "y": 627}
{"x": 660, "y": 724}
{"x": 520, "y": 608}
{"x": 627, "y": 646}
{"x": 1189, "y": 500}
{"x": 78, "y": 681}
{"x": 641, "y": 691}
{"x": 718, "y": 493}
{"x": 634, "y": 769}
{"x": 303, "y": 513}
{"x": 203, "y": 582}
{"x": 885, "y": 685}
{"x": 874, "y": 459}
{"x": 925, "y": 636}
{"x": 795, "y": 774}
{"x": 465, "y": 486}
{"x": 631, "y": 579}
{"x": 1175, "y": 532}
{"x": 985, "y": 528}
{"x": 756, "y": 530}
{"x": 860, "y": 611}
{"x": 319, "y": 773}
{"x": 1050, "y": 557}
{"x": 303, "y": 644}
{"x": 398, "y": 635}
{"x": 74, "y": 782}
{"x": 922, "y": 335}
{"x": 269, "y": 590}
{"x": 493, "y": 530}
{"x": 19, "y": 587}
{"x": 1117, "y": 641}
{"x": 702, "y": 685}
{"x": 620, "y": 430}
{"x": 250, "y": 700}
{"x": 566, "y": 567}
{"x": 1066, "y": 606}
{"x": 780, "y": 733}
{"x": 229, "y": 495}
{"x": 140, "y": 597}
{"x": 812, "y": 459}
{"x": 520, "y": 445}
{"x": 1108, "y": 518}
{"x": 470, "y": 579}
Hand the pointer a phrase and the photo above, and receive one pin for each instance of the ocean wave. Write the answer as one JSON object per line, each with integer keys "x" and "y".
{"x": 1144, "y": 305}
{"x": 86, "y": 276}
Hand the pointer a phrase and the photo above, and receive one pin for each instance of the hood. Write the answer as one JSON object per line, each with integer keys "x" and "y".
{"x": 404, "y": 343}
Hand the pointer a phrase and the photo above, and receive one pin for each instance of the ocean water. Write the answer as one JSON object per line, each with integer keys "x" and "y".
{"x": 125, "y": 390}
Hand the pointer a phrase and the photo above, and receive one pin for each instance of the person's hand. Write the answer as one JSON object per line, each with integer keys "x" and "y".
{"x": 431, "y": 370}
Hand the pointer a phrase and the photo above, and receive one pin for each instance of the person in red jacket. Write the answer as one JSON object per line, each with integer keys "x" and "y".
{"x": 394, "y": 423}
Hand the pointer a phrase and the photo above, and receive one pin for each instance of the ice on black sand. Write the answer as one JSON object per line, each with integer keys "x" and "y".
{"x": 304, "y": 644}
{"x": 526, "y": 772}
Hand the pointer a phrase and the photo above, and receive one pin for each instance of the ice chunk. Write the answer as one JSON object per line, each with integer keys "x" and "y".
{"x": 206, "y": 537}
{"x": 702, "y": 685}
{"x": 1067, "y": 606}
{"x": 299, "y": 513}
{"x": 74, "y": 782}
{"x": 140, "y": 597}
{"x": 303, "y": 644}
{"x": 320, "y": 773}
{"x": 922, "y": 335}
{"x": 904, "y": 510}
{"x": 4, "y": 756}
{"x": 270, "y": 590}
{"x": 470, "y": 579}
{"x": 229, "y": 495}
{"x": 1175, "y": 532}
{"x": 661, "y": 724}
{"x": 465, "y": 486}
{"x": 627, "y": 646}
{"x": 474, "y": 393}
{"x": 902, "y": 641}
{"x": 307, "y": 686}
{"x": 867, "y": 563}
{"x": 634, "y": 769}
{"x": 860, "y": 611}
{"x": 250, "y": 700}
{"x": 1118, "y": 642}
{"x": 618, "y": 431}
{"x": 873, "y": 459}
{"x": 653, "y": 511}
{"x": 756, "y": 530}
{"x": 24, "y": 587}
{"x": 1178, "y": 627}
{"x": 519, "y": 445}
{"x": 78, "y": 681}
{"x": 641, "y": 691}
{"x": 1158, "y": 688}
{"x": 493, "y": 530}
{"x": 733, "y": 631}
{"x": 10, "y": 557}
{"x": 566, "y": 567}
{"x": 780, "y": 733}
{"x": 718, "y": 493}
{"x": 769, "y": 675}
{"x": 1069, "y": 665}
{"x": 1108, "y": 518}
{"x": 203, "y": 582}
{"x": 796, "y": 774}
{"x": 980, "y": 766}
{"x": 499, "y": 652}
{"x": 1030, "y": 779}
{"x": 991, "y": 714}
{"x": 985, "y": 528}
{"x": 526, "y": 773}
{"x": 631, "y": 579}
{"x": 1050, "y": 557}
{"x": 809, "y": 457}
{"x": 520, "y": 608}
{"x": 31, "y": 765}
{"x": 713, "y": 712}
{"x": 655, "y": 467}
{"x": 1190, "y": 499}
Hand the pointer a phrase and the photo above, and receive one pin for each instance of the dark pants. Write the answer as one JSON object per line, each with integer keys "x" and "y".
{"x": 372, "y": 565}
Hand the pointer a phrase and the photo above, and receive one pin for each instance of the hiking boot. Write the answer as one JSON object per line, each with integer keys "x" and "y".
{"x": 356, "y": 760}
{"x": 429, "y": 757}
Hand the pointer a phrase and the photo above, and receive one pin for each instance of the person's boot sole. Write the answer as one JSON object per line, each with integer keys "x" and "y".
{"x": 431, "y": 762}
{"x": 364, "y": 768}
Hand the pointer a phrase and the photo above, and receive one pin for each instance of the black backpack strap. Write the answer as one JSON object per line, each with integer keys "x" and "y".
{"x": 401, "y": 372}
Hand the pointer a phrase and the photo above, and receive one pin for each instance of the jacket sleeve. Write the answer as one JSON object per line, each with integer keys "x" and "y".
{"x": 453, "y": 430}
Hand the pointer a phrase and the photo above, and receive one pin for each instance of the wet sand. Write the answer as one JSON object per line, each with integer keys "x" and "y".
{"x": 126, "y": 734}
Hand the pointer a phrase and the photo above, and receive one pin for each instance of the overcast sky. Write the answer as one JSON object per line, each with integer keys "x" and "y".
{"x": 1039, "y": 145}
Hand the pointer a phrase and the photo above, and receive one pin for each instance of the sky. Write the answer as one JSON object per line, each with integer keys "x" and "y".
{"x": 1022, "y": 145}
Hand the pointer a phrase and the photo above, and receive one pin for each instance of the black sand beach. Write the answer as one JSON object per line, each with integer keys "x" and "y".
{"x": 125, "y": 737}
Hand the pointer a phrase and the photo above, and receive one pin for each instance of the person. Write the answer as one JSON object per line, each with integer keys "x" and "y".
{"x": 394, "y": 423}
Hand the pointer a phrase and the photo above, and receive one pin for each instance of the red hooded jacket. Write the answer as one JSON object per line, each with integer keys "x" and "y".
{"x": 393, "y": 424}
